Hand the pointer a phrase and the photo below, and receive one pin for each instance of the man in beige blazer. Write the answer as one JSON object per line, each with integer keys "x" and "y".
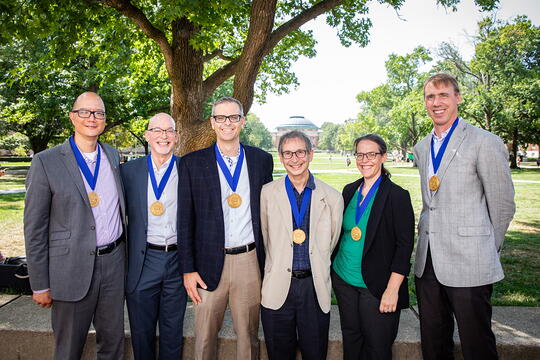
{"x": 301, "y": 221}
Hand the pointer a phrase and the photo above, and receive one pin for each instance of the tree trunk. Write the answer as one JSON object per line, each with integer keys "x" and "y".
{"x": 513, "y": 159}
{"x": 38, "y": 143}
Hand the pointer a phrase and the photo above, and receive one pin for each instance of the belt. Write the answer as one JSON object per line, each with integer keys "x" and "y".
{"x": 239, "y": 249}
{"x": 106, "y": 249}
{"x": 301, "y": 274}
{"x": 165, "y": 248}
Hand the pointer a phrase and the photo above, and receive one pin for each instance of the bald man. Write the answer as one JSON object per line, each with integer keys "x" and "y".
{"x": 74, "y": 235}
{"x": 155, "y": 293}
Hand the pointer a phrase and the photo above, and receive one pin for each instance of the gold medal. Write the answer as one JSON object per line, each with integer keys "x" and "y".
{"x": 298, "y": 236}
{"x": 356, "y": 233}
{"x": 157, "y": 208}
{"x": 434, "y": 183}
{"x": 234, "y": 200}
{"x": 94, "y": 198}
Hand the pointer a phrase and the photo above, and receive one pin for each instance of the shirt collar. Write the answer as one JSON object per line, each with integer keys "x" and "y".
{"x": 163, "y": 166}
{"x": 443, "y": 134}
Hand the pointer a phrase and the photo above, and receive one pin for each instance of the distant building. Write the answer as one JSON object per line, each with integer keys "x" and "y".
{"x": 299, "y": 123}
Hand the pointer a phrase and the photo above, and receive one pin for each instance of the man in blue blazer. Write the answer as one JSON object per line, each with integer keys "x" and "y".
{"x": 220, "y": 234}
{"x": 154, "y": 290}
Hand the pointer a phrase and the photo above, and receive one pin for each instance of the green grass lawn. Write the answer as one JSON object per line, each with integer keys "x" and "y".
{"x": 520, "y": 254}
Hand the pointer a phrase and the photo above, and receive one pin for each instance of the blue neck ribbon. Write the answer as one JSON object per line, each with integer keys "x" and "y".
{"x": 298, "y": 214}
{"x": 436, "y": 160}
{"x": 360, "y": 208}
{"x": 91, "y": 180}
{"x": 158, "y": 189}
{"x": 232, "y": 180}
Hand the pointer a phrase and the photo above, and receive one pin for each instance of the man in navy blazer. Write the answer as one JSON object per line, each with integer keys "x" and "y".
{"x": 154, "y": 290}
{"x": 221, "y": 248}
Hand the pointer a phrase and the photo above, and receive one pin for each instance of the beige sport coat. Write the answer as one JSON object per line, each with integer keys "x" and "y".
{"x": 326, "y": 213}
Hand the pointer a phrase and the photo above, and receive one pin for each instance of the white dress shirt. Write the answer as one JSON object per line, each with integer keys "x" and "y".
{"x": 237, "y": 221}
{"x": 162, "y": 229}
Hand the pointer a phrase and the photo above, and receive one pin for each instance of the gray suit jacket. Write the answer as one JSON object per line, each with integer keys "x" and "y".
{"x": 465, "y": 220}
{"x": 59, "y": 227}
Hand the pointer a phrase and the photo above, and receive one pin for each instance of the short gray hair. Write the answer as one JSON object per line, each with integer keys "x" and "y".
{"x": 228, "y": 99}
{"x": 295, "y": 134}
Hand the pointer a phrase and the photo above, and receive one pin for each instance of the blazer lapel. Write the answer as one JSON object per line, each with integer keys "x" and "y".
{"x": 282, "y": 201}
{"x": 143, "y": 195}
{"x": 424, "y": 172}
{"x": 318, "y": 204}
{"x": 376, "y": 212}
{"x": 117, "y": 178}
{"x": 213, "y": 178}
{"x": 73, "y": 168}
{"x": 451, "y": 149}
{"x": 251, "y": 164}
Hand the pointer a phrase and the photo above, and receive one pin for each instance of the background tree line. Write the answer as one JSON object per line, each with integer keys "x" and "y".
{"x": 500, "y": 86}
{"x": 144, "y": 57}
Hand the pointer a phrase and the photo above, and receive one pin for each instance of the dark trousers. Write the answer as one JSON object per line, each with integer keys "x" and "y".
{"x": 470, "y": 305}
{"x": 367, "y": 333}
{"x": 159, "y": 298}
{"x": 103, "y": 306}
{"x": 300, "y": 314}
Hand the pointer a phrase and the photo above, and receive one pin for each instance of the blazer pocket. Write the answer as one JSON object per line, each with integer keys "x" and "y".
{"x": 58, "y": 251}
{"x": 474, "y": 230}
{"x": 60, "y": 235}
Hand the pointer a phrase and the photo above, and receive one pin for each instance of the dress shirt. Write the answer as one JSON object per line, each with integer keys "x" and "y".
{"x": 162, "y": 229}
{"x": 107, "y": 212}
{"x": 237, "y": 221}
{"x": 301, "y": 251}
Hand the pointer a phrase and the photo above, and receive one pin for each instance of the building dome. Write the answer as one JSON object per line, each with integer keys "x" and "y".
{"x": 297, "y": 122}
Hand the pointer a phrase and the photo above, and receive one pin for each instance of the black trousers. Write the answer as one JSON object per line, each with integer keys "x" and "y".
{"x": 367, "y": 333}
{"x": 300, "y": 314}
{"x": 471, "y": 306}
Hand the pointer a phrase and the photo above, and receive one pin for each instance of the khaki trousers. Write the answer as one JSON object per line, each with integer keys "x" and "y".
{"x": 240, "y": 288}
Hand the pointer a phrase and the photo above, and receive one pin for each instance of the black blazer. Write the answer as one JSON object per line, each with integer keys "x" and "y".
{"x": 135, "y": 179}
{"x": 389, "y": 238}
{"x": 201, "y": 231}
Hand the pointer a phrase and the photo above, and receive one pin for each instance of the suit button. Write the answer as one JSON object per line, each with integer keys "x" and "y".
{"x": 142, "y": 251}
{"x": 289, "y": 270}
{"x": 427, "y": 232}
{"x": 93, "y": 252}
{"x": 92, "y": 227}
{"x": 431, "y": 208}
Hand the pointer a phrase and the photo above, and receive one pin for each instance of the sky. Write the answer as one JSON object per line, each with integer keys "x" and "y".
{"x": 330, "y": 81}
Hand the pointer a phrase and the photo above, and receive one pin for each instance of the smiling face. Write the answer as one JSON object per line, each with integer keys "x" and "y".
{"x": 370, "y": 169}
{"x": 161, "y": 135}
{"x": 227, "y": 131}
{"x": 441, "y": 102}
{"x": 88, "y": 128}
{"x": 295, "y": 166}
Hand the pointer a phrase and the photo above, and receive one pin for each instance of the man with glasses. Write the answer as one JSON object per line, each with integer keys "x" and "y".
{"x": 154, "y": 290}
{"x": 301, "y": 221}
{"x": 468, "y": 203}
{"x": 74, "y": 237}
{"x": 220, "y": 236}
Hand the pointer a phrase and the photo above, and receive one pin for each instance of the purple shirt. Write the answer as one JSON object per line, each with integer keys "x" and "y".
{"x": 107, "y": 213}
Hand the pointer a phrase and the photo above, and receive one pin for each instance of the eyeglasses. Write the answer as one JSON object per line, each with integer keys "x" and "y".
{"x": 369, "y": 155}
{"x": 232, "y": 118}
{"x": 159, "y": 131}
{"x": 300, "y": 154}
{"x": 85, "y": 114}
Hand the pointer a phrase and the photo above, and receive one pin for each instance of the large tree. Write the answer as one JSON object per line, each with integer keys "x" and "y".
{"x": 203, "y": 43}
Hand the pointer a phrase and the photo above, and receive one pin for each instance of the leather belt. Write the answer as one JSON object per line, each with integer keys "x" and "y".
{"x": 301, "y": 274}
{"x": 239, "y": 249}
{"x": 106, "y": 249}
{"x": 165, "y": 248}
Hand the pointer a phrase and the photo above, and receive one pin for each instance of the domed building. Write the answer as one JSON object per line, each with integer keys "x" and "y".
{"x": 299, "y": 123}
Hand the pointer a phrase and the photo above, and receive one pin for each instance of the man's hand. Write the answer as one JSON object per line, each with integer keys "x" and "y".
{"x": 190, "y": 283}
{"x": 43, "y": 299}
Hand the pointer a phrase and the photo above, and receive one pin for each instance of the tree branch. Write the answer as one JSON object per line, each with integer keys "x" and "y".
{"x": 126, "y": 8}
{"x": 218, "y": 53}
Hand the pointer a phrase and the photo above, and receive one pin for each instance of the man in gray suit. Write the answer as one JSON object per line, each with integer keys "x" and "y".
{"x": 74, "y": 236}
{"x": 468, "y": 203}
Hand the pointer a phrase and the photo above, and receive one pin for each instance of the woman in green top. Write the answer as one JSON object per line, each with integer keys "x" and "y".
{"x": 372, "y": 259}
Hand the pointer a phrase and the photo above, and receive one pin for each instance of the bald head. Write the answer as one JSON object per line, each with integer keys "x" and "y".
{"x": 161, "y": 119}
{"x": 87, "y": 98}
